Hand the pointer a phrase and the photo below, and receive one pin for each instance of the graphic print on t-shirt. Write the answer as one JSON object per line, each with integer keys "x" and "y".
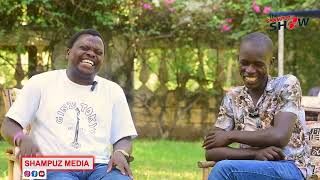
{"x": 79, "y": 119}
{"x": 75, "y": 143}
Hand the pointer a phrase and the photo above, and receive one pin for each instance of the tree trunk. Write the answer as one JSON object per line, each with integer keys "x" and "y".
{"x": 18, "y": 74}
{"x": 32, "y": 60}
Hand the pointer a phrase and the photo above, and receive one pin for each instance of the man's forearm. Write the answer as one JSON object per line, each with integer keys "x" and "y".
{"x": 261, "y": 138}
{"x": 9, "y": 128}
{"x": 277, "y": 135}
{"x": 124, "y": 144}
{"x": 221, "y": 153}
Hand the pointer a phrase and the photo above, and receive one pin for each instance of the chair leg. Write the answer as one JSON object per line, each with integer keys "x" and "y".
{"x": 10, "y": 169}
{"x": 205, "y": 174}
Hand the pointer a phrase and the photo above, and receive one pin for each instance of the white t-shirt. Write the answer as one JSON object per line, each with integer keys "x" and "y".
{"x": 70, "y": 119}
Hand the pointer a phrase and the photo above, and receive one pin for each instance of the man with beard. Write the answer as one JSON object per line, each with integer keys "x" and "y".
{"x": 265, "y": 116}
{"x": 75, "y": 112}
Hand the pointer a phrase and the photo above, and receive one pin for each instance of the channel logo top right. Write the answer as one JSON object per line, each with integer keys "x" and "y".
{"x": 287, "y": 22}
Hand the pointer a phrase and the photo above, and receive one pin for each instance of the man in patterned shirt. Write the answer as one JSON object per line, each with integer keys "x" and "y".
{"x": 265, "y": 116}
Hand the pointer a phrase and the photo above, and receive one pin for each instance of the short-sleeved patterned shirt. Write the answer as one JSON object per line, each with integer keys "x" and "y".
{"x": 282, "y": 94}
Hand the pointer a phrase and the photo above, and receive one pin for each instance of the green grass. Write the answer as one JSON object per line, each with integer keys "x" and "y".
{"x": 158, "y": 159}
{"x": 167, "y": 160}
{"x": 3, "y": 160}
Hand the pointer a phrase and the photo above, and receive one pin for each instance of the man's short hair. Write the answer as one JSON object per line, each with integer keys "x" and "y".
{"x": 76, "y": 36}
{"x": 259, "y": 39}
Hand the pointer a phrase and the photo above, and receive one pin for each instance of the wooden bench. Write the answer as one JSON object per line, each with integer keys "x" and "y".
{"x": 8, "y": 98}
{"x": 309, "y": 104}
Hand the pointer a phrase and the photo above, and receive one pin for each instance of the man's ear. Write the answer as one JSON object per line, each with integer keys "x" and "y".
{"x": 273, "y": 61}
{"x": 68, "y": 52}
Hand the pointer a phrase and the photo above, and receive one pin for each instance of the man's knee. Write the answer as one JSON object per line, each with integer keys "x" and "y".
{"x": 222, "y": 170}
{"x": 115, "y": 174}
{"x": 116, "y": 177}
{"x": 224, "y": 165}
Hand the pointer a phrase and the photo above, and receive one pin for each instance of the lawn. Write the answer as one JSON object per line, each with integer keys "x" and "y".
{"x": 159, "y": 159}
{"x": 3, "y": 159}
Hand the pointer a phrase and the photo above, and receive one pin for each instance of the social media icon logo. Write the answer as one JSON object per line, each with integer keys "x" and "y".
{"x": 26, "y": 173}
{"x": 34, "y": 173}
{"x": 42, "y": 173}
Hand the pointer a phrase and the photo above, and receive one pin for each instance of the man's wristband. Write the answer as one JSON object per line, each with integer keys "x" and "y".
{"x": 126, "y": 155}
{"x": 123, "y": 152}
{"x": 17, "y": 137}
